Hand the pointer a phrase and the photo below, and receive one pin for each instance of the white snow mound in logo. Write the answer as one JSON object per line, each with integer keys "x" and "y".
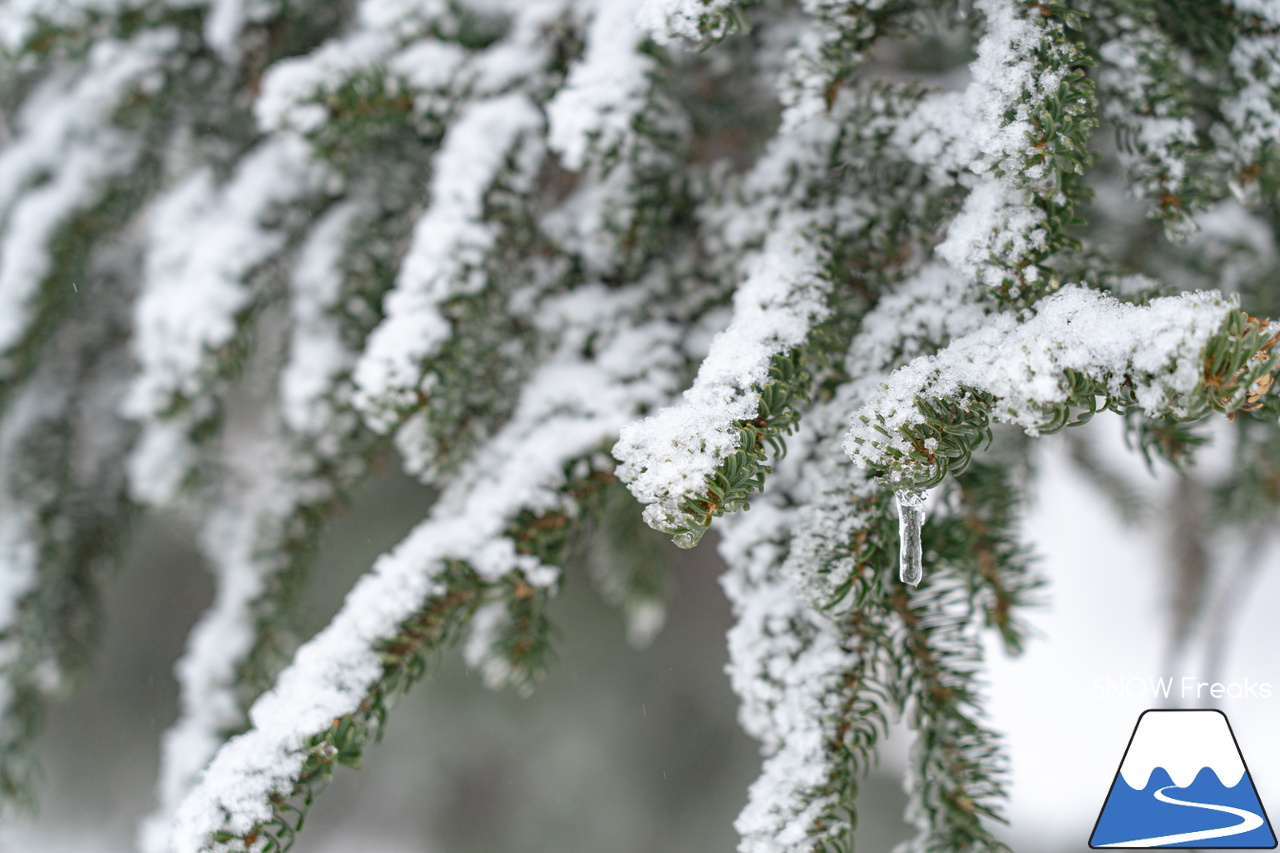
{"x": 1182, "y": 742}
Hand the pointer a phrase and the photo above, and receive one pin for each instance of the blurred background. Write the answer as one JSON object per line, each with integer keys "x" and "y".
{"x": 625, "y": 750}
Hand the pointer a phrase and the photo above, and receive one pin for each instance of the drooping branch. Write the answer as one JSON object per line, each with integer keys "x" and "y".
{"x": 1022, "y": 127}
{"x": 1179, "y": 356}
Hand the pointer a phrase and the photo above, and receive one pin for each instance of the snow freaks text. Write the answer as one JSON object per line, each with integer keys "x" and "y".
{"x": 1184, "y": 687}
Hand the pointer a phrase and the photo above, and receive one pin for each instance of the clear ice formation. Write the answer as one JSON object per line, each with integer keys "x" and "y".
{"x": 910, "y": 520}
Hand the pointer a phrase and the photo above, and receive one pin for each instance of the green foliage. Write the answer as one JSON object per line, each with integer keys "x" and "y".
{"x": 405, "y": 660}
{"x": 1062, "y": 129}
{"x": 743, "y": 472}
{"x": 980, "y": 539}
{"x": 730, "y": 19}
{"x": 916, "y": 655}
{"x": 1238, "y": 366}
{"x": 959, "y": 766}
{"x": 671, "y": 190}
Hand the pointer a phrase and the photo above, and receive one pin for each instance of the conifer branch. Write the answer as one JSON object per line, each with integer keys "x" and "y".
{"x": 1147, "y": 97}
{"x": 63, "y": 515}
{"x": 1252, "y": 113}
{"x": 1178, "y": 356}
{"x": 696, "y": 461}
{"x": 1028, "y": 149}
{"x": 64, "y": 181}
{"x": 190, "y": 318}
{"x": 956, "y": 776}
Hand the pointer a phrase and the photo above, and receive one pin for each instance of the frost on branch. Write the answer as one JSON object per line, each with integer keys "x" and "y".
{"x": 188, "y": 317}
{"x": 1144, "y": 93}
{"x": 819, "y": 654}
{"x": 1251, "y": 135}
{"x": 493, "y": 147}
{"x": 932, "y": 414}
{"x": 691, "y": 19}
{"x": 669, "y": 458}
{"x": 1019, "y": 132}
{"x": 62, "y": 504}
{"x": 446, "y": 260}
{"x": 60, "y": 169}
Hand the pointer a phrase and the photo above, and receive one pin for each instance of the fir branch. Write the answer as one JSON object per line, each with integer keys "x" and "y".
{"x": 615, "y": 123}
{"x": 535, "y": 308}
{"x": 63, "y": 182}
{"x": 829, "y": 578}
{"x": 957, "y": 770}
{"x": 1252, "y": 112}
{"x": 63, "y": 515}
{"x": 498, "y": 520}
{"x": 796, "y": 675}
{"x": 982, "y": 542}
{"x": 335, "y": 675}
{"x": 835, "y": 44}
{"x": 448, "y": 279}
{"x": 934, "y": 414}
{"x": 402, "y": 658}
{"x": 1029, "y": 148}
{"x": 1148, "y": 98}
{"x": 394, "y": 81}
{"x": 697, "y": 20}
{"x": 696, "y": 461}
{"x": 867, "y": 693}
{"x": 191, "y": 319}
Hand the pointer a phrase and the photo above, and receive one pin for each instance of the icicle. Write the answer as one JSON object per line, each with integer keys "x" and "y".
{"x": 910, "y": 520}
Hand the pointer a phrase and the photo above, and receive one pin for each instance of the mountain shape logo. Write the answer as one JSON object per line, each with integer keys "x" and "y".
{"x": 1183, "y": 783}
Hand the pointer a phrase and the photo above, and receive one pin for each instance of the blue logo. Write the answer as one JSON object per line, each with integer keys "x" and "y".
{"x": 1183, "y": 783}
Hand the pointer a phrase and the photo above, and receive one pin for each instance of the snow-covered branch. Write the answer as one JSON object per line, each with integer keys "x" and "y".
{"x": 1177, "y": 356}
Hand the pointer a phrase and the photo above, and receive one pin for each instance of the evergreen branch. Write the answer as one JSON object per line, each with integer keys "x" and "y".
{"x": 63, "y": 516}
{"x": 796, "y": 674}
{"x": 62, "y": 188}
{"x": 1029, "y": 146}
{"x": 414, "y": 363}
{"x": 192, "y": 317}
{"x": 498, "y": 519}
{"x": 780, "y": 186}
{"x": 933, "y": 415}
{"x": 811, "y": 656}
{"x": 708, "y": 21}
{"x": 504, "y": 582}
{"x": 615, "y": 123}
{"x": 983, "y": 545}
{"x": 260, "y": 542}
{"x": 395, "y": 81}
{"x": 1252, "y": 113}
{"x": 700, "y": 459}
{"x": 70, "y": 31}
{"x": 867, "y": 693}
{"x": 1148, "y": 98}
{"x": 1251, "y": 496}
{"x": 830, "y": 51}
{"x": 743, "y": 472}
{"x": 831, "y": 570}
{"x": 957, "y": 770}
{"x": 428, "y": 371}
{"x": 403, "y": 657}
